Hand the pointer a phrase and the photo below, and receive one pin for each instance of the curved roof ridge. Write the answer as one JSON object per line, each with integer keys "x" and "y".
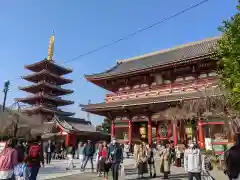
{"x": 168, "y": 49}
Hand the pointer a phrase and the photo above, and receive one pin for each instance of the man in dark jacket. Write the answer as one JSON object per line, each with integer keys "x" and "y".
{"x": 88, "y": 152}
{"x": 232, "y": 160}
{"x": 49, "y": 149}
{"x": 21, "y": 151}
{"x": 115, "y": 156}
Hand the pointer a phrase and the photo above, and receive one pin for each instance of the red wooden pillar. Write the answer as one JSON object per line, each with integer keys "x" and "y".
{"x": 157, "y": 133}
{"x": 113, "y": 129}
{"x": 130, "y": 131}
{"x": 175, "y": 133}
{"x": 73, "y": 139}
{"x": 201, "y": 134}
{"x": 67, "y": 140}
{"x": 150, "y": 131}
{"x": 181, "y": 132}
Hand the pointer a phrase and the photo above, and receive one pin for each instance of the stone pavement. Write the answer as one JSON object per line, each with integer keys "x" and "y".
{"x": 57, "y": 171}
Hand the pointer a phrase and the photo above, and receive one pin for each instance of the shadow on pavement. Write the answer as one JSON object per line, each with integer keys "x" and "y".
{"x": 172, "y": 177}
{"x": 47, "y": 170}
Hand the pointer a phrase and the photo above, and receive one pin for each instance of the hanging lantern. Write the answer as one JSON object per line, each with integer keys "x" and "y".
{"x": 142, "y": 131}
{"x": 163, "y": 130}
{"x": 189, "y": 130}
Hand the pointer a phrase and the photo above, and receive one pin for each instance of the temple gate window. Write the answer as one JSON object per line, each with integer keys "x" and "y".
{"x": 214, "y": 73}
{"x": 189, "y": 78}
{"x": 158, "y": 79}
{"x": 127, "y": 88}
{"x": 137, "y": 86}
{"x": 153, "y": 84}
{"x": 203, "y": 75}
{"x": 144, "y": 85}
{"x": 167, "y": 82}
{"x": 179, "y": 79}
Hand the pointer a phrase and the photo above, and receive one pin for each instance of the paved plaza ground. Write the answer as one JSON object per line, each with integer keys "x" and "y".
{"x": 57, "y": 171}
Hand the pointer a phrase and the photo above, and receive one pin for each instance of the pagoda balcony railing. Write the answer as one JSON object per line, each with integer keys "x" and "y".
{"x": 44, "y": 105}
{"x": 163, "y": 89}
{"x": 50, "y": 95}
{"x": 50, "y": 82}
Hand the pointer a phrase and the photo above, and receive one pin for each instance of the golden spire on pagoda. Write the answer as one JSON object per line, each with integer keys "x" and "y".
{"x": 51, "y": 47}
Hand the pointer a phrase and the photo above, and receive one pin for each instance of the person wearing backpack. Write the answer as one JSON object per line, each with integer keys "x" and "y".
{"x": 21, "y": 170}
{"x": 35, "y": 158}
{"x": 8, "y": 159}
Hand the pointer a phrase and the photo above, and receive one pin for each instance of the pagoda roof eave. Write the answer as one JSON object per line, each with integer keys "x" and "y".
{"x": 35, "y": 88}
{"x": 38, "y": 66}
{"x": 159, "y": 60}
{"x": 123, "y": 104}
{"x": 33, "y": 110}
{"x": 35, "y": 77}
{"x": 32, "y": 99}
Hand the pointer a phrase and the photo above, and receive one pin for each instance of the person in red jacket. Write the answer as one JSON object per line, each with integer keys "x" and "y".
{"x": 8, "y": 159}
{"x": 106, "y": 164}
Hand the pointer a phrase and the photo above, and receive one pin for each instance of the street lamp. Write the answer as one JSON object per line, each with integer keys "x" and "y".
{"x": 5, "y": 90}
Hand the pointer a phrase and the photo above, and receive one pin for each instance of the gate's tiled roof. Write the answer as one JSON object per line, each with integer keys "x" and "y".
{"x": 191, "y": 51}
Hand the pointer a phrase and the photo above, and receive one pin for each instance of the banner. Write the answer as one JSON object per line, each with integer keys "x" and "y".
{"x": 208, "y": 143}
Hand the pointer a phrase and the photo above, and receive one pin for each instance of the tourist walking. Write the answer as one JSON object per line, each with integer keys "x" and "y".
{"x": 35, "y": 158}
{"x": 115, "y": 156}
{"x": 49, "y": 149}
{"x": 126, "y": 150}
{"x": 142, "y": 160}
{"x": 8, "y": 159}
{"x": 70, "y": 155}
{"x": 89, "y": 151}
{"x": 106, "y": 164}
{"x": 193, "y": 162}
{"x": 165, "y": 158}
{"x": 232, "y": 160}
{"x": 177, "y": 160}
{"x": 21, "y": 170}
{"x": 79, "y": 145}
{"x": 26, "y": 147}
{"x": 81, "y": 152}
{"x": 135, "y": 151}
{"x": 20, "y": 151}
{"x": 99, "y": 159}
{"x": 151, "y": 162}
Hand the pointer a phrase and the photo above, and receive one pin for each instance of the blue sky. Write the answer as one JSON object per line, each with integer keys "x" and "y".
{"x": 83, "y": 25}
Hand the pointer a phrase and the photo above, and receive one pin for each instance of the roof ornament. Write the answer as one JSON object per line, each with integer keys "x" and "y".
{"x": 51, "y": 47}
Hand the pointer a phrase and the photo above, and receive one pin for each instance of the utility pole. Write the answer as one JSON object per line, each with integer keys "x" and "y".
{"x": 88, "y": 114}
{"x": 5, "y": 90}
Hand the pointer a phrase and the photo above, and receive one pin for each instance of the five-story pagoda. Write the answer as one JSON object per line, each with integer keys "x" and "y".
{"x": 48, "y": 78}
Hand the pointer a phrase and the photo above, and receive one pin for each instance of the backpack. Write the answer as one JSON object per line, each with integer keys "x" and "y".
{"x": 34, "y": 152}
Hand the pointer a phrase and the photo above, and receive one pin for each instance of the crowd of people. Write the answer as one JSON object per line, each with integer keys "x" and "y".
{"x": 22, "y": 161}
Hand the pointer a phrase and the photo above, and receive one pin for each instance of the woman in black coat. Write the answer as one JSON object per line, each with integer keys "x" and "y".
{"x": 151, "y": 162}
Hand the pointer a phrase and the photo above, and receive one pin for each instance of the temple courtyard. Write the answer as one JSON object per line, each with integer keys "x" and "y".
{"x": 57, "y": 171}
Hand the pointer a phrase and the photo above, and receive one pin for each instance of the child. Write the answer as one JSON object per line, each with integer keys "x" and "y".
{"x": 21, "y": 171}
